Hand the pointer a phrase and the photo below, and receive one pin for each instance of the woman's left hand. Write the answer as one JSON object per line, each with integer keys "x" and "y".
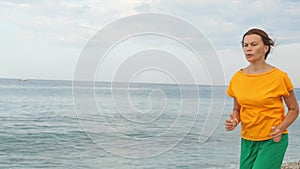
{"x": 276, "y": 134}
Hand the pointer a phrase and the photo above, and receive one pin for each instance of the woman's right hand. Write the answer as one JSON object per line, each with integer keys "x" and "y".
{"x": 231, "y": 123}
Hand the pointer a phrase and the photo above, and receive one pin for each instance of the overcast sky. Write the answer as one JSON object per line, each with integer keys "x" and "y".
{"x": 44, "y": 39}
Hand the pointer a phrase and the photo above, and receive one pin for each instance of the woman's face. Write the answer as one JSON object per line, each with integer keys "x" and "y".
{"x": 254, "y": 48}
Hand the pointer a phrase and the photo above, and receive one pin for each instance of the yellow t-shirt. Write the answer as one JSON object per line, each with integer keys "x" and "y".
{"x": 260, "y": 98}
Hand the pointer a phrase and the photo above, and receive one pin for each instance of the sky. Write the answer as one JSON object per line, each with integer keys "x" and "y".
{"x": 47, "y": 39}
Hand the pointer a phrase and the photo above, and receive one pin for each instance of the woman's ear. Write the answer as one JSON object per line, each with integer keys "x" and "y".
{"x": 266, "y": 49}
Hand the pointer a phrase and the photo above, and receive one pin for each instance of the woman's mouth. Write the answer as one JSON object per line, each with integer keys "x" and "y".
{"x": 249, "y": 55}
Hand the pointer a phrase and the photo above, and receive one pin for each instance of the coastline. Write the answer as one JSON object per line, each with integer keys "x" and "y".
{"x": 291, "y": 165}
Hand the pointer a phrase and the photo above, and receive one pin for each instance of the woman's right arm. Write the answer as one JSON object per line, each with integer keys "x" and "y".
{"x": 233, "y": 121}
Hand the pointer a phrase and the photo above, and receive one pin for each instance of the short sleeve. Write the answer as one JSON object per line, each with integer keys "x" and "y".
{"x": 287, "y": 85}
{"x": 231, "y": 87}
{"x": 229, "y": 90}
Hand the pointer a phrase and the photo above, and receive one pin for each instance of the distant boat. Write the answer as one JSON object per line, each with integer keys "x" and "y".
{"x": 23, "y": 80}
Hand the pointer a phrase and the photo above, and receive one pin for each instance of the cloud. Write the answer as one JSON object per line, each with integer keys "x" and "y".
{"x": 219, "y": 20}
{"x": 224, "y": 22}
{"x": 70, "y": 21}
{"x": 68, "y": 25}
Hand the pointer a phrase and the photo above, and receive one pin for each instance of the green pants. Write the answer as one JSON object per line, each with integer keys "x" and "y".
{"x": 263, "y": 154}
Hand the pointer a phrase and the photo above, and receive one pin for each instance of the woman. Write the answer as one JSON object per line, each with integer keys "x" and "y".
{"x": 258, "y": 92}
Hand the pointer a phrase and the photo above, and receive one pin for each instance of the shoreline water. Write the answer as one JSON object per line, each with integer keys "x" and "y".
{"x": 41, "y": 129}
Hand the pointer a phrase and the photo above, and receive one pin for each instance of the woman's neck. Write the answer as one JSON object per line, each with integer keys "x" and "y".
{"x": 258, "y": 67}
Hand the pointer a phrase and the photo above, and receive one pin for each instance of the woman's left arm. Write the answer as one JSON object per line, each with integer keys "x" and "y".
{"x": 293, "y": 111}
{"x": 292, "y": 114}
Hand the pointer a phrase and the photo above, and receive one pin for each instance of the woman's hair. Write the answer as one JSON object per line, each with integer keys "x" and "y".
{"x": 264, "y": 36}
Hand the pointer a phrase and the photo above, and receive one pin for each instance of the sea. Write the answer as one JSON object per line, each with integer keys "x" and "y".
{"x": 99, "y": 125}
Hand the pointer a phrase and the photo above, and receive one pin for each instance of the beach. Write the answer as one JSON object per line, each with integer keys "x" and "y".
{"x": 292, "y": 165}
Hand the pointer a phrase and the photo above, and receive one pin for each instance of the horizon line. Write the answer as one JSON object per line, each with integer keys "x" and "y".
{"x": 117, "y": 82}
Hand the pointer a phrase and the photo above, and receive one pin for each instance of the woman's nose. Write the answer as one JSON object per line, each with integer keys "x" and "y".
{"x": 248, "y": 48}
